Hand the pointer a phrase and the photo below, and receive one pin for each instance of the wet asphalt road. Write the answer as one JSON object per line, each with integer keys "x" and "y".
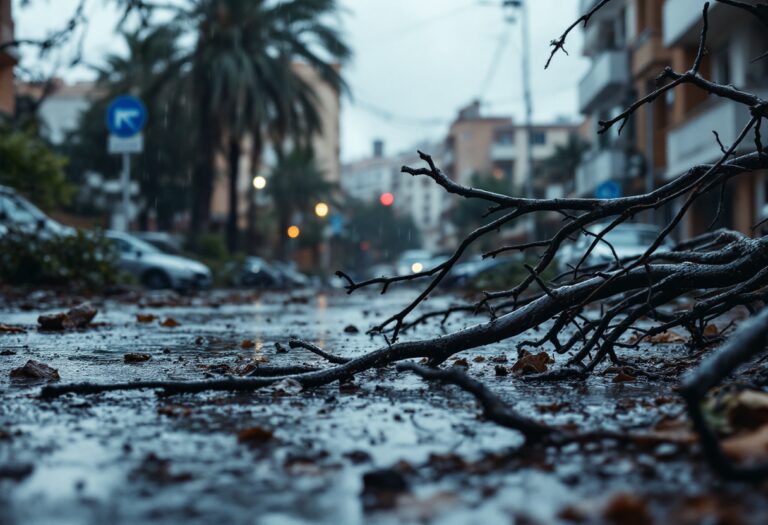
{"x": 137, "y": 457}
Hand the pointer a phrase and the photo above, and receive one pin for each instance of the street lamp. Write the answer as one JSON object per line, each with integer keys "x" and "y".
{"x": 321, "y": 209}
{"x": 259, "y": 182}
{"x": 387, "y": 199}
{"x": 293, "y": 231}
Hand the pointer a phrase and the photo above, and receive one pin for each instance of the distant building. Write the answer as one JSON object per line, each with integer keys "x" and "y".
{"x": 630, "y": 42}
{"x": 9, "y": 57}
{"x": 496, "y": 146}
{"x": 734, "y": 40}
{"x": 603, "y": 92}
{"x": 62, "y": 105}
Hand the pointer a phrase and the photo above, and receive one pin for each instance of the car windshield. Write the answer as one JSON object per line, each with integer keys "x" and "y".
{"x": 19, "y": 210}
{"x": 127, "y": 244}
{"x": 627, "y": 237}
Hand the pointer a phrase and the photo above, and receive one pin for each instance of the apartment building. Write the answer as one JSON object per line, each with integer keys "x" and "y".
{"x": 735, "y": 40}
{"x": 604, "y": 91}
{"x": 62, "y": 104}
{"x": 495, "y": 145}
{"x": 418, "y": 197}
{"x": 9, "y": 57}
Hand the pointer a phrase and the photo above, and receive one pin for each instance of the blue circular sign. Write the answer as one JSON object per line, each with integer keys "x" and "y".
{"x": 608, "y": 190}
{"x": 126, "y": 116}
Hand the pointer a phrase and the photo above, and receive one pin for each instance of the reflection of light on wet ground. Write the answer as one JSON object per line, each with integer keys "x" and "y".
{"x": 322, "y": 301}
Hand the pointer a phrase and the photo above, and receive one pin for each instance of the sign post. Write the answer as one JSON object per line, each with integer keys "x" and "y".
{"x": 126, "y": 117}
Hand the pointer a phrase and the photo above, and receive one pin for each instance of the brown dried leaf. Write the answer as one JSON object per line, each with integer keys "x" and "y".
{"x": 170, "y": 322}
{"x": 136, "y": 357}
{"x": 11, "y": 329}
{"x": 752, "y": 446}
{"x": 528, "y": 363}
{"x": 255, "y": 435}
{"x": 627, "y": 509}
{"x": 461, "y": 362}
{"x": 145, "y": 318}
{"x": 247, "y": 343}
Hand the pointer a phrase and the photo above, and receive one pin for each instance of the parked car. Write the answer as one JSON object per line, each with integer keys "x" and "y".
{"x": 413, "y": 261}
{"x": 156, "y": 269}
{"x": 18, "y": 213}
{"x": 291, "y": 277}
{"x": 627, "y": 240}
{"x": 163, "y": 241}
{"x": 477, "y": 269}
{"x": 254, "y": 272}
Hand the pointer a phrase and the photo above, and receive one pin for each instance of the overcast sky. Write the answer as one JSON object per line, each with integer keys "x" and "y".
{"x": 416, "y": 62}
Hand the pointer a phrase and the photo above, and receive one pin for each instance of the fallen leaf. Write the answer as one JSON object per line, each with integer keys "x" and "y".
{"x": 478, "y": 359}
{"x": 145, "y": 318}
{"x": 78, "y": 317}
{"x": 528, "y": 363}
{"x": 747, "y": 409}
{"x": 666, "y": 337}
{"x": 711, "y": 330}
{"x": 136, "y": 357}
{"x": 461, "y": 362}
{"x": 174, "y": 411}
{"x": 751, "y": 447}
{"x": 627, "y": 509}
{"x": 255, "y": 435}
{"x": 35, "y": 370}
{"x": 286, "y": 387}
{"x": 501, "y": 370}
{"x": 552, "y": 408}
{"x": 52, "y": 321}
{"x": 10, "y": 329}
{"x": 170, "y": 322}
{"x": 247, "y": 343}
{"x": 623, "y": 377}
{"x": 351, "y": 329}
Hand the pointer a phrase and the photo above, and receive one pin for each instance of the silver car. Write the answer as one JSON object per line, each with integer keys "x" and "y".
{"x": 627, "y": 240}
{"x": 156, "y": 269}
{"x": 18, "y": 213}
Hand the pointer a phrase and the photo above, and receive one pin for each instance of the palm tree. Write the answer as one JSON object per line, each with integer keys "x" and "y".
{"x": 163, "y": 168}
{"x": 246, "y": 83}
{"x": 295, "y": 186}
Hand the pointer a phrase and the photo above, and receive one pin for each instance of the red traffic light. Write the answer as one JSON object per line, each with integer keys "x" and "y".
{"x": 387, "y": 199}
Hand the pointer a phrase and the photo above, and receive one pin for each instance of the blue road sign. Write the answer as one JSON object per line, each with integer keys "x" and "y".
{"x": 608, "y": 190}
{"x": 337, "y": 224}
{"x": 126, "y": 116}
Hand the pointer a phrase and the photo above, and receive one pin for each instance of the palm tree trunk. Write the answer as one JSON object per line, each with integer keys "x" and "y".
{"x": 283, "y": 222}
{"x": 234, "y": 172}
{"x": 203, "y": 173}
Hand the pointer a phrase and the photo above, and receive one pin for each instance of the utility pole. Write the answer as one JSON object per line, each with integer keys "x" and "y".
{"x": 522, "y": 5}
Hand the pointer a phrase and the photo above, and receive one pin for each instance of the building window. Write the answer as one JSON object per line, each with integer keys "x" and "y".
{"x": 505, "y": 137}
{"x": 538, "y": 138}
{"x": 721, "y": 66}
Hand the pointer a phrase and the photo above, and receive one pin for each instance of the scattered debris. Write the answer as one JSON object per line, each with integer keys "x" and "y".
{"x": 145, "y": 318}
{"x": 35, "y": 370}
{"x": 351, "y": 329}
{"x": 136, "y": 357}
{"x": 78, "y": 317}
{"x": 528, "y": 363}
{"x": 11, "y": 329}
{"x": 255, "y": 435}
{"x": 170, "y": 322}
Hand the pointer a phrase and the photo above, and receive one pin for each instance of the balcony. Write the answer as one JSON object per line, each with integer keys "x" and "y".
{"x": 692, "y": 142}
{"x": 11, "y": 53}
{"x": 609, "y": 71}
{"x": 598, "y": 167}
{"x": 502, "y": 152}
{"x": 682, "y": 20}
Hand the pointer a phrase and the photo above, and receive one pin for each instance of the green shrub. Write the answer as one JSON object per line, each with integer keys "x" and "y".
{"x": 85, "y": 260}
{"x": 210, "y": 246}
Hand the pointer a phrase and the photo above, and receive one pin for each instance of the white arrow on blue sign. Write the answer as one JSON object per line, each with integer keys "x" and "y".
{"x": 608, "y": 190}
{"x": 126, "y": 116}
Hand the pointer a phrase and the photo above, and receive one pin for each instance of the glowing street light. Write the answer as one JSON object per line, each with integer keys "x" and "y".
{"x": 321, "y": 209}
{"x": 293, "y": 231}
{"x": 417, "y": 267}
{"x": 259, "y": 182}
{"x": 387, "y": 199}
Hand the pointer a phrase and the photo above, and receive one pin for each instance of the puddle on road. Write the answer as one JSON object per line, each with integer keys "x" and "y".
{"x": 142, "y": 458}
